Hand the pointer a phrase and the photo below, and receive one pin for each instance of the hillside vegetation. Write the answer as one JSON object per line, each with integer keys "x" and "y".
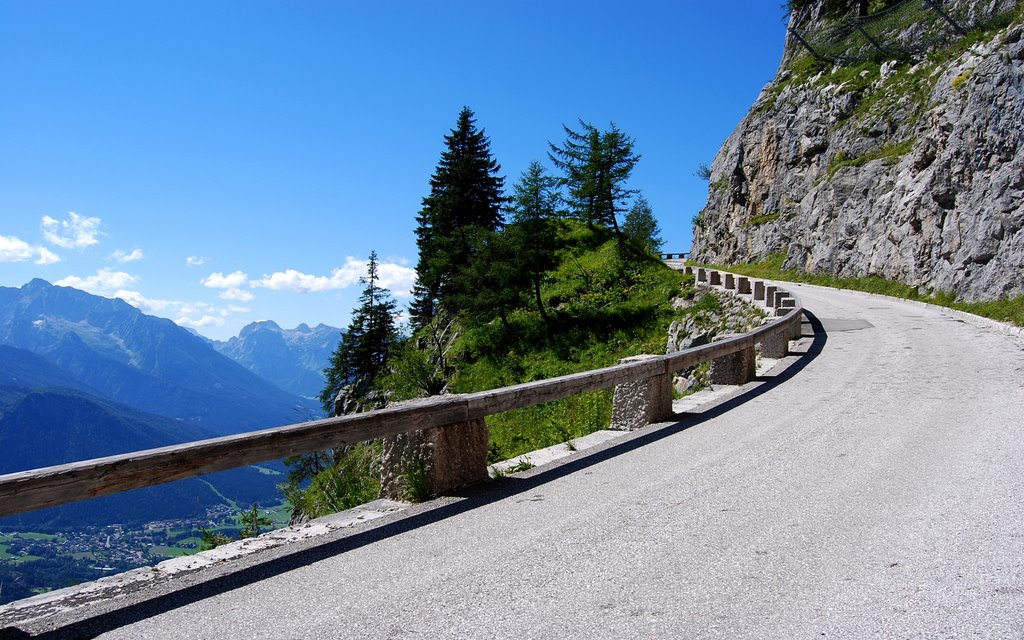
{"x": 557, "y": 277}
{"x": 605, "y": 306}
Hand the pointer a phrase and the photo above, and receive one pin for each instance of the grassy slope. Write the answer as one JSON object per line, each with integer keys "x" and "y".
{"x": 1006, "y": 310}
{"x": 607, "y": 308}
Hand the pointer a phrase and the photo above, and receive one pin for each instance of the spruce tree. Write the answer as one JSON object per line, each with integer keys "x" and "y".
{"x": 361, "y": 357}
{"x": 465, "y": 198}
{"x": 641, "y": 227}
{"x": 596, "y": 166}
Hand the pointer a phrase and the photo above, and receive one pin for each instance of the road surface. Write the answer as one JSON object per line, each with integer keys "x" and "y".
{"x": 875, "y": 490}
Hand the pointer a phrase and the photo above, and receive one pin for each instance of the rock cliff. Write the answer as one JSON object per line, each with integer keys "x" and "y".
{"x": 911, "y": 168}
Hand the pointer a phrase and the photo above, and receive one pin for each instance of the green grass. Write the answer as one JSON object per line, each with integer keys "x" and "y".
{"x": 959, "y": 81}
{"x": 888, "y": 154}
{"x": 1009, "y": 310}
{"x": 170, "y": 552}
{"x": 605, "y": 305}
{"x": 762, "y": 219}
{"x": 37, "y": 536}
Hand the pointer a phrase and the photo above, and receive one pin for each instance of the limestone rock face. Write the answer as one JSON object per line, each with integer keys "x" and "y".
{"x": 910, "y": 171}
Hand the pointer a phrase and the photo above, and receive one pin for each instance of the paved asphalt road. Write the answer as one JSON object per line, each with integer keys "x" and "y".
{"x": 877, "y": 490}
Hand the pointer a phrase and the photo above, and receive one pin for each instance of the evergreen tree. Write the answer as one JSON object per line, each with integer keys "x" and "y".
{"x": 362, "y": 356}
{"x": 596, "y": 166}
{"x": 465, "y": 197}
{"x": 533, "y": 235}
{"x": 641, "y": 227}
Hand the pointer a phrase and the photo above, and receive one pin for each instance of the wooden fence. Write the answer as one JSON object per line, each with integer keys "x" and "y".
{"x": 51, "y": 486}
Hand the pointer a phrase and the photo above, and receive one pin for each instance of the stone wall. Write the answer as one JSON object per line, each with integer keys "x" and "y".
{"x": 913, "y": 172}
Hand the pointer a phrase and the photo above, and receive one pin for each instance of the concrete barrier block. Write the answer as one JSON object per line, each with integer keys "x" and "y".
{"x": 780, "y": 294}
{"x": 448, "y": 457}
{"x": 730, "y": 281}
{"x": 758, "y": 290}
{"x": 702, "y": 274}
{"x": 769, "y": 295}
{"x": 796, "y": 330}
{"x": 743, "y": 285}
{"x": 714, "y": 278}
{"x": 688, "y": 271}
{"x": 735, "y": 368}
{"x": 639, "y": 403}
{"x": 775, "y": 344}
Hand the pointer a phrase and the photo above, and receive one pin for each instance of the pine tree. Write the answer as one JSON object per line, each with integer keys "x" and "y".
{"x": 641, "y": 227}
{"x": 465, "y": 197}
{"x": 362, "y": 355}
{"x": 596, "y": 166}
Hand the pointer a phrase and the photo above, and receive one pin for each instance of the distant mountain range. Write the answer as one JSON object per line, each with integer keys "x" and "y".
{"x": 142, "y": 361}
{"x": 83, "y": 376}
{"x": 48, "y": 418}
{"x": 293, "y": 359}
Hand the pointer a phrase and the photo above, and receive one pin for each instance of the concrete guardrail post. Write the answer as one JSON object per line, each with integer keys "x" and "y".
{"x": 769, "y": 295}
{"x": 758, "y": 290}
{"x": 730, "y": 281}
{"x": 735, "y": 368}
{"x": 775, "y": 344}
{"x": 714, "y": 278}
{"x": 443, "y": 458}
{"x": 796, "y": 330}
{"x": 780, "y": 295}
{"x": 688, "y": 271}
{"x": 743, "y": 285}
{"x": 641, "y": 402}
{"x": 702, "y": 274}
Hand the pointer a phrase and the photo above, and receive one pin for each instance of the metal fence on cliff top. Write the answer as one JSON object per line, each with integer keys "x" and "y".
{"x": 906, "y": 29}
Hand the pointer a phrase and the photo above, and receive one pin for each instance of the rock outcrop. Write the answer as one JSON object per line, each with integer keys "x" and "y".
{"x": 910, "y": 170}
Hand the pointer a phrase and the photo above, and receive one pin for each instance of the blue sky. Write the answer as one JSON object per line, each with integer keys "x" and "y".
{"x": 222, "y": 162}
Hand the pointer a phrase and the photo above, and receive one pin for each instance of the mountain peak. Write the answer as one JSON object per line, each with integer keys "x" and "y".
{"x": 36, "y": 284}
{"x": 259, "y": 325}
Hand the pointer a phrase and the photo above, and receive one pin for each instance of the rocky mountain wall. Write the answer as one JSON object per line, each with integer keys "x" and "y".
{"x": 910, "y": 170}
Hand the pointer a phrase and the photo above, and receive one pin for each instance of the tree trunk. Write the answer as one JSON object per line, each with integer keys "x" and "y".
{"x": 540, "y": 303}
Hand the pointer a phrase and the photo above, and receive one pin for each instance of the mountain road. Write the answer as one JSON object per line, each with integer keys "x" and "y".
{"x": 871, "y": 487}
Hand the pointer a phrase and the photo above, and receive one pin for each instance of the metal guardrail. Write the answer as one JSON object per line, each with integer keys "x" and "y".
{"x": 51, "y": 486}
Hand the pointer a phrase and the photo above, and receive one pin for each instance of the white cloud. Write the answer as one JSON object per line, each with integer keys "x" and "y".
{"x": 122, "y": 257}
{"x": 139, "y": 301}
{"x": 104, "y": 281}
{"x": 218, "y": 280}
{"x": 46, "y": 256}
{"x": 195, "y": 261}
{"x": 238, "y": 295}
{"x": 292, "y": 280}
{"x": 396, "y": 277}
{"x": 14, "y": 249}
{"x": 77, "y": 232}
{"x": 205, "y": 321}
{"x": 186, "y": 314}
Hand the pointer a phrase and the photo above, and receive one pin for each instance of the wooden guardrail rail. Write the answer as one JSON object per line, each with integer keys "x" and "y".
{"x": 51, "y": 486}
